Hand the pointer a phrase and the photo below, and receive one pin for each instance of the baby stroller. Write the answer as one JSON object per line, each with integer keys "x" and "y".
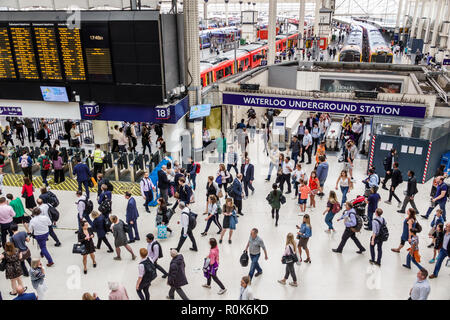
{"x": 359, "y": 204}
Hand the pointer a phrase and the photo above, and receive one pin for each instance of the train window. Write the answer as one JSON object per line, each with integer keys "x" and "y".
{"x": 203, "y": 83}
{"x": 227, "y": 71}
{"x": 255, "y": 58}
{"x": 247, "y": 62}
{"x": 219, "y": 74}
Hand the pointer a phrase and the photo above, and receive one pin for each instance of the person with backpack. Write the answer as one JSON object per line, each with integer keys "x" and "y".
{"x": 120, "y": 230}
{"x": 101, "y": 225}
{"x": 84, "y": 208}
{"x": 409, "y": 223}
{"x": 155, "y": 252}
{"x": 213, "y": 215}
{"x": 26, "y": 163}
{"x": 372, "y": 200}
{"x": 30, "y": 130}
{"x": 193, "y": 168}
{"x": 45, "y": 210}
{"x": 147, "y": 273}
{"x": 44, "y": 162}
{"x": 440, "y": 197}
{"x": 372, "y": 180}
{"x": 188, "y": 222}
{"x": 353, "y": 224}
{"x": 333, "y": 207}
{"x": 211, "y": 266}
{"x": 388, "y": 165}
{"x": 274, "y": 199}
{"x": 177, "y": 275}
{"x": 379, "y": 235}
{"x": 132, "y": 215}
{"x": 105, "y": 201}
{"x": 396, "y": 180}
{"x": 147, "y": 189}
{"x": 18, "y": 124}
{"x": 48, "y": 197}
{"x": 81, "y": 170}
{"x": 410, "y": 192}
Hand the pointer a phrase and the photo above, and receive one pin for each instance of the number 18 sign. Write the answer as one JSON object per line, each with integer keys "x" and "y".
{"x": 162, "y": 113}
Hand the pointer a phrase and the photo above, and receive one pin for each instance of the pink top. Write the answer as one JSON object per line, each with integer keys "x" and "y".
{"x": 213, "y": 256}
{"x": 288, "y": 251}
{"x": 6, "y": 214}
{"x": 119, "y": 294}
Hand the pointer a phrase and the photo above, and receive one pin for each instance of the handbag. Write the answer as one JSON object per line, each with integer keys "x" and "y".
{"x": 79, "y": 248}
{"x": 206, "y": 264}
{"x": 220, "y": 195}
{"x": 290, "y": 258}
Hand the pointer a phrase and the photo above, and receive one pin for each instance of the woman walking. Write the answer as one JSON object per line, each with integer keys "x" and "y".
{"x": 413, "y": 253}
{"x": 409, "y": 223}
{"x": 314, "y": 186}
{"x": 274, "y": 199}
{"x": 229, "y": 219}
{"x": 297, "y": 175}
{"x": 289, "y": 253}
{"x": 213, "y": 215}
{"x": 303, "y": 236}
{"x": 7, "y": 136}
{"x": 58, "y": 166}
{"x": 210, "y": 271}
{"x": 161, "y": 214}
{"x": 13, "y": 270}
{"x": 85, "y": 237}
{"x": 223, "y": 177}
{"x": 333, "y": 207}
{"x": 212, "y": 189}
{"x": 27, "y": 193}
{"x": 37, "y": 273}
{"x": 345, "y": 184}
{"x": 99, "y": 225}
{"x": 120, "y": 237}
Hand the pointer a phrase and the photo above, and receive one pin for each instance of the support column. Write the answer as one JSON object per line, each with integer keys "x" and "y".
{"x": 100, "y": 133}
{"x": 414, "y": 22}
{"x": 430, "y": 17}
{"x": 272, "y": 31}
{"x": 407, "y": 4}
{"x": 301, "y": 24}
{"x": 425, "y": 6}
{"x": 317, "y": 17}
{"x": 397, "y": 22}
{"x": 437, "y": 22}
{"x": 226, "y": 12}
{"x": 205, "y": 13}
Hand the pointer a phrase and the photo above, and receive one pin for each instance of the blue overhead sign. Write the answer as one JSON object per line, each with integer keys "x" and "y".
{"x": 369, "y": 108}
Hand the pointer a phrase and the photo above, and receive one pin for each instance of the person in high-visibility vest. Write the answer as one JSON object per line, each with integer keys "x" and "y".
{"x": 98, "y": 155}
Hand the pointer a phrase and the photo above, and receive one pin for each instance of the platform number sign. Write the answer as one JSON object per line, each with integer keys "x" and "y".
{"x": 91, "y": 110}
{"x": 162, "y": 113}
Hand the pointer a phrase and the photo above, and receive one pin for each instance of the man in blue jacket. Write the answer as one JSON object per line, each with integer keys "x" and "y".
{"x": 322, "y": 173}
{"x": 131, "y": 217}
{"x": 237, "y": 193}
{"x": 247, "y": 171}
{"x": 81, "y": 170}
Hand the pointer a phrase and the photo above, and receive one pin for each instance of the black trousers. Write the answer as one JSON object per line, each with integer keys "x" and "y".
{"x": 275, "y": 214}
{"x": 31, "y": 135}
{"x": 157, "y": 266}
{"x": 392, "y": 194}
{"x": 216, "y": 280}
{"x": 378, "y": 244}
{"x": 5, "y": 228}
{"x": 387, "y": 176}
{"x": 238, "y": 204}
{"x": 98, "y": 168}
{"x": 229, "y": 166}
{"x": 179, "y": 291}
{"x": 285, "y": 178}
{"x": 348, "y": 233}
{"x": 105, "y": 240}
{"x": 143, "y": 292}
{"x": 215, "y": 219}
{"x": 52, "y": 234}
{"x": 59, "y": 176}
{"x": 290, "y": 271}
{"x": 248, "y": 185}
{"x": 19, "y": 135}
{"x": 183, "y": 239}
{"x": 146, "y": 144}
{"x": 45, "y": 142}
{"x": 308, "y": 152}
{"x": 24, "y": 267}
{"x": 27, "y": 172}
{"x": 115, "y": 146}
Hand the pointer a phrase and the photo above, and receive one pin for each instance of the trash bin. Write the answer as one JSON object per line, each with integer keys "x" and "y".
{"x": 242, "y": 42}
{"x": 333, "y": 37}
{"x": 445, "y": 160}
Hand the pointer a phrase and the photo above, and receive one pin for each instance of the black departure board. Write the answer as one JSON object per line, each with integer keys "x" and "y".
{"x": 24, "y": 53}
{"x": 47, "y": 49}
{"x": 7, "y": 70}
{"x": 72, "y": 54}
{"x": 97, "y": 51}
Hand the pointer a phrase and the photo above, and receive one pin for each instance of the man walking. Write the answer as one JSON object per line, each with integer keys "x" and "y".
{"x": 274, "y": 156}
{"x": 375, "y": 240}
{"x": 307, "y": 146}
{"x": 99, "y": 157}
{"x": 395, "y": 182}
{"x": 39, "y": 226}
{"x": 421, "y": 288}
{"x": 232, "y": 160}
{"x": 443, "y": 253}
{"x": 131, "y": 218}
{"x": 254, "y": 245}
{"x": 322, "y": 173}
{"x": 350, "y": 221}
{"x": 237, "y": 193}
{"x": 185, "y": 228}
{"x": 411, "y": 190}
{"x": 286, "y": 170}
{"x": 6, "y": 218}
{"x": 440, "y": 198}
{"x": 147, "y": 188}
{"x": 247, "y": 171}
{"x": 387, "y": 163}
{"x": 155, "y": 252}
{"x": 163, "y": 184}
{"x": 177, "y": 276}
{"x": 44, "y": 162}
{"x": 295, "y": 147}
{"x": 81, "y": 170}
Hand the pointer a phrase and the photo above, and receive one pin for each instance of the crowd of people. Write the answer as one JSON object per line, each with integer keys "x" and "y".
{"x": 226, "y": 194}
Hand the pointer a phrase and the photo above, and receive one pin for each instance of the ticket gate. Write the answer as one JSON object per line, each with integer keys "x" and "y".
{"x": 121, "y": 165}
{"x": 137, "y": 167}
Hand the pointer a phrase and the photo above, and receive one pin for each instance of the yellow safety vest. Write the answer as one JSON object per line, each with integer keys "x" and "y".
{"x": 98, "y": 156}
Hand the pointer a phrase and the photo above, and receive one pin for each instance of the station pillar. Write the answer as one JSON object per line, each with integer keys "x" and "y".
{"x": 437, "y": 22}
{"x": 414, "y": 22}
{"x": 430, "y": 17}
{"x": 100, "y": 133}
{"x": 173, "y": 134}
{"x": 425, "y": 6}
{"x": 226, "y": 12}
{"x": 397, "y": 21}
{"x": 317, "y": 17}
{"x": 205, "y": 13}
{"x": 301, "y": 25}
{"x": 272, "y": 31}
{"x": 406, "y": 7}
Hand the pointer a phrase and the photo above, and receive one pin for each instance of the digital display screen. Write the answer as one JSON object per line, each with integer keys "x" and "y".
{"x": 24, "y": 53}
{"x": 72, "y": 54}
{"x": 7, "y": 70}
{"x": 47, "y": 49}
{"x": 98, "y": 56}
{"x": 199, "y": 111}
{"x": 54, "y": 94}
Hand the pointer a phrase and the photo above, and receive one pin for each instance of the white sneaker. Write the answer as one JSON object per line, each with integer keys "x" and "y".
{"x": 206, "y": 286}
{"x": 222, "y": 291}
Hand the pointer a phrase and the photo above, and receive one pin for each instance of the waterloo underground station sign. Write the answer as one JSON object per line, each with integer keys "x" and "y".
{"x": 336, "y": 106}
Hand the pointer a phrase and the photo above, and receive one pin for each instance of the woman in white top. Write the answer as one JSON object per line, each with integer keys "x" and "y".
{"x": 123, "y": 141}
{"x": 213, "y": 215}
{"x": 297, "y": 175}
{"x": 289, "y": 251}
{"x": 224, "y": 175}
{"x": 345, "y": 184}
{"x": 246, "y": 292}
{"x": 252, "y": 126}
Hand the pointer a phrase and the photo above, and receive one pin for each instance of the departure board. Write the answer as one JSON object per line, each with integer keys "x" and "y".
{"x": 47, "y": 49}
{"x": 24, "y": 53}
{"x": 72, "y": 53}
{"x": 99, "y": 64}
{"x": 7, "y": 70}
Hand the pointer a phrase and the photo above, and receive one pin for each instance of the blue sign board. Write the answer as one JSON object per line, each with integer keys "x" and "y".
{"x": 199, "y": 111}
{"x": 10, "y": 111}
{"x": 368, "y": 108}
{"x": 57, "y": 94}
{"x": 89, "y": 111}
{"x": 446, "y": 62}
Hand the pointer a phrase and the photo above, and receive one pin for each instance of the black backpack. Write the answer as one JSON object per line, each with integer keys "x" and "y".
{"x": 230, "y": 178}
{"x": 105, "y": 206}
{"x": 53, "y": 200}
{"x": 230, "y": 191}
{"x": 107, "y": 225}
{"x": 192, "y": 220}
{"x": 89, "y": 206}
{"x": 418, "y": 227}
{"x": 53, "y": 213}
{"x": 109, "y": 185}
{"x": 150, "y": 269}
{"x": 40, "y": 135}
{"x": 160, "y": 253}
{"x": 244, "y": 259}
{"x": 126, "y": 227}
{"x": 383, "y": 234}
{"x": 359, "y": 223}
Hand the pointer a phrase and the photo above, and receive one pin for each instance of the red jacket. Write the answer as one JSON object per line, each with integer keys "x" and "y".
{"x": 28, "y": 189}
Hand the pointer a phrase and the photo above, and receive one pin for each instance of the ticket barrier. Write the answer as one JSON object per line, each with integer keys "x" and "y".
{"x": 73, "y": 155}
{"x": 138, "y": 167}
{"x": 108, "y": 165}
{"x": 121, "y": 165}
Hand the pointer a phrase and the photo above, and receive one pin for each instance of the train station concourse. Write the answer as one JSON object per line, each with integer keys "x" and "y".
{"x": 216, "y": 151}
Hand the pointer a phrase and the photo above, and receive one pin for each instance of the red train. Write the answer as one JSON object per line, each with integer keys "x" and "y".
{"x": 247, "y": 57}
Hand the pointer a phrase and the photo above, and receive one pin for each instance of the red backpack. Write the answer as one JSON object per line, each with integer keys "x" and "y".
{"x": 197, "y": 169}
{"x": 46, "y": 164}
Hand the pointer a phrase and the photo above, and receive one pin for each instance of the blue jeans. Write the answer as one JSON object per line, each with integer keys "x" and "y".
{"x": 441, "y": 206}
{"x": 294, "y": 156}
{"x": 86, "y": 187}
{"x": 329, "y": 220}
{"x": 44, "y": 174}
{"x": 409, "y": 258}
{"x": 271, "y": 167}
{"x": 344, "y": 191}
{"x": 193, "y": 176}
{"x": 440, "y": 258}
{"x": 255, "y": 265}
{"x": 42, "y": 242}
{"x": 369, "y": 219}
{"x": 133, "y": 227}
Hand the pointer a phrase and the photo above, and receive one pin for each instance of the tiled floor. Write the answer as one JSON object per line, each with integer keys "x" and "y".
{"x": 329, "y": 276}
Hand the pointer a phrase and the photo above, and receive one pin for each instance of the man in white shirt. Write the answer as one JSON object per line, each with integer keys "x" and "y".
{"x": 357, "y": 129}
{"x": 147, "y": 188}
{"x": 74, "y": 136}
{"x": 115, "y": 139}
{"x": 307, "y": 146}
{"x": 232, "y": 160}
{"x": 421, "y": 288}
{"x": 39, "y": 226}
{"x": 286, "y": 170}
{"x": 185, "y": 231}
{"x": 274, "y": 156}
{"x": 44, "y": 212}
{"x": 154, "y": 249}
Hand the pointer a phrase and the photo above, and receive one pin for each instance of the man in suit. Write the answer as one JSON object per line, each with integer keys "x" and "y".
{"x": 237, "y": 193}
{"x": 410, "y": 192}
{"x": 387, "y": 163}
{"x": 131, "y": 218}
{"x": 310, "y": 122}
{"x": 395, "y": 181}
{"x": 81, "y": 170}
{"x": 163, "y": 183}
{"x": 247, "y": 171}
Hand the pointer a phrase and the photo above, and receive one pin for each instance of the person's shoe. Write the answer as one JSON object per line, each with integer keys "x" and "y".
{"x": 307, "y": 260}
{"x": 287, "y": 192}
{"x": 432, "y": 276}
{"x": 400, "y": 211}
{"x": 395, "y": 250}
{"x": 431, "y": 245}
{"x": 193, "y": 249}
{"x": 229, "y": 241}
{"x": 117, "y": 258}
{"x": 220, "y": 241}
{"x": 327, "y": 231}
{"x": 360, "y": 251}
{"x": 367, "y": 228}
{"x": 131, "y": 241}
{"x": 388, "y": 202}
{"x": 336, "y": 250}
{"x": 50, "y": 264}
{"x": 424, "y": 216}
{"x": 240, "y": 214}
{"x": 203, "y": 234}
{"x": 281, "y": 282}
{"x": 384, "y": 187}
{"x": 109, "y": 251}
{"x": 258, "y": 274}
{"x": 85, "y": 271}
{"x": 399, "y": 205}
{"x": 147, "y": 210}
{"x": 253, "y": 192}
{"x": 371, "y": 261}
{"x": 219, "y": 232}
{"x": 133, "y": 257}
{"x": 137, "y": 239}
{"x": 169, "y": 298}
{"x": 164, "y": 276}
{"x": 276, "y": 224}
{"x": 76, "y": 231}
{"x": 206, "y": 286}
{"x": 432, "y": 261}
{"x": 404, "y": 265}
{"x": 222, "y": 291}
{"x": 378, "y": 264}
{"x": 294, "y": 284}
{"x": 95, "y": 265}
{"x": 58, "y": 244}
{"x": 267, "y": 179}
